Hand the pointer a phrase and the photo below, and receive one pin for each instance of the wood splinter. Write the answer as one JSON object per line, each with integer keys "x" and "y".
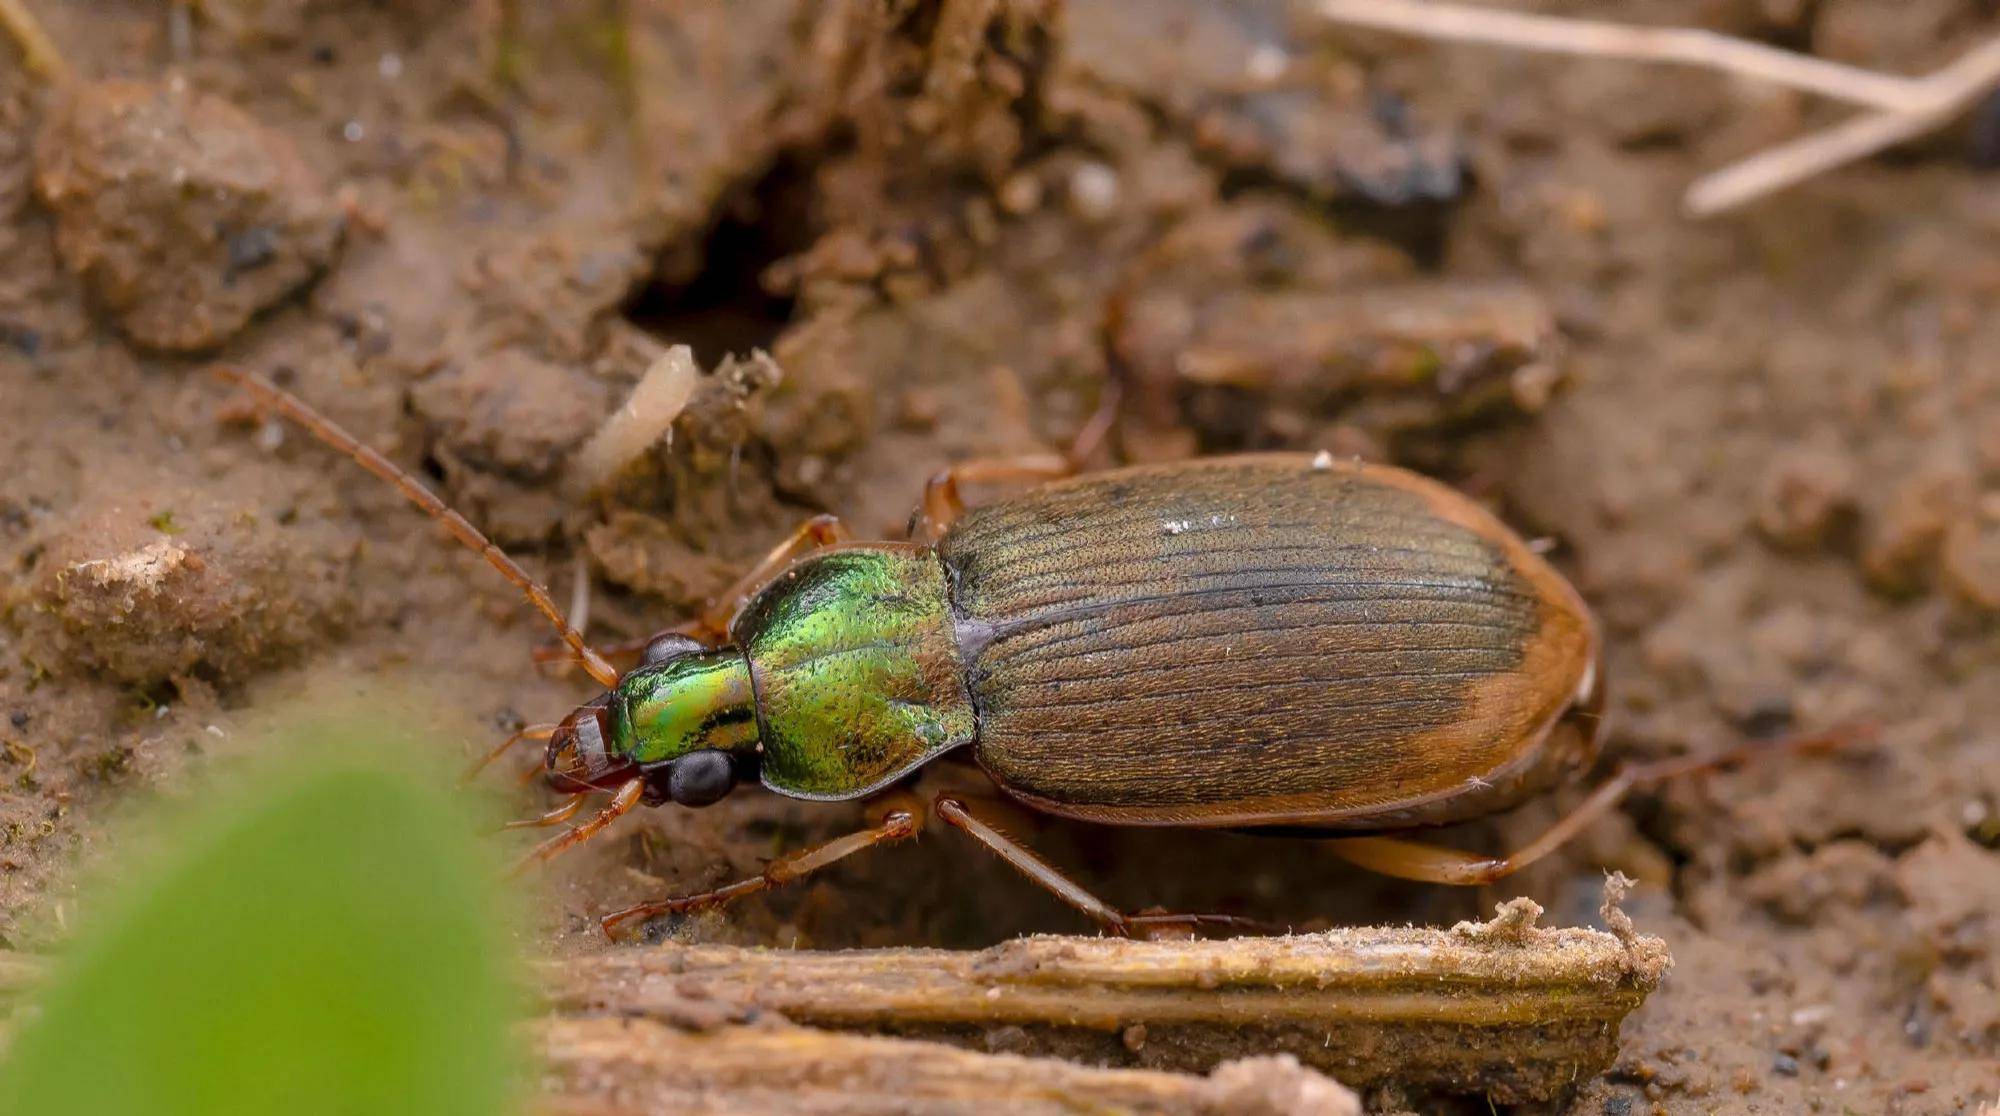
{"x": 1504, "y": 1008}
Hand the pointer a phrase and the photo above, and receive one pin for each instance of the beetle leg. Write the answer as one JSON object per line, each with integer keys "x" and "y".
{"x": 711, "y": 625}
{"x": 1415, "y": 860}
{"x": 1109, "y": 919}
{"x": 621, "y": 804}
{"x": 817, "y": 533}
{"x": 943, "y": 504}
{"x": 900, "y": 823}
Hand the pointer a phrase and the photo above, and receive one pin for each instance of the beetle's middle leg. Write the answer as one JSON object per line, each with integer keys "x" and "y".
{"x": 901, "y": 818}
{"x": 1426, "y": 863}
{"x": 1111, "y": 920}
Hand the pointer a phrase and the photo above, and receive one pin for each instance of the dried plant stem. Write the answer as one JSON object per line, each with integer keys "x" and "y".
{"x": 1909, "y": 107}
{"x": 37, "y": 48}
{"x": 598, "y": 1065}
{"x": 1502, "y": 1007}
{"x": 1948, "y": 92}
{"x": 1686, "y": 46}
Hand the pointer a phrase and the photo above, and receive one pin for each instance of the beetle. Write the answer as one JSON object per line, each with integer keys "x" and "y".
{"x": 1280, "y": 642}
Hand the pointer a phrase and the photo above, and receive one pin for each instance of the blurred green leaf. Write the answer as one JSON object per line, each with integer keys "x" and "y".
{"x": 325, "y": 939}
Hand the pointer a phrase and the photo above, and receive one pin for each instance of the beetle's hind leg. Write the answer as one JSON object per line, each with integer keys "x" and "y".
{"x": 1147, "y": 924}
{"x": 902, "y": 819}
{"x": 1425, "y": 863}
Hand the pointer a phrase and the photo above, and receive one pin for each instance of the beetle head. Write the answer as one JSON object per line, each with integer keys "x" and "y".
{"x": 685, "y": 720}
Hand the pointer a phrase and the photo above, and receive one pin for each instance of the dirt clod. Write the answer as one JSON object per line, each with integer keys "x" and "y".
{"x": 184, "y": 215}
{"x": 141, "y": 594}
{"x": 511, "y": 412}
{"x": 1805, "y": 497}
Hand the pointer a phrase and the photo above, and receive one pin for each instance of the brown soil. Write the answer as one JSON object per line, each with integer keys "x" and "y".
{"x": 1766, "y": 447}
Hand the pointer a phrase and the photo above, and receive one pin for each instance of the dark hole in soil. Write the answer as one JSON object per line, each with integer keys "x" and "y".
{"x": 710, "y": 294}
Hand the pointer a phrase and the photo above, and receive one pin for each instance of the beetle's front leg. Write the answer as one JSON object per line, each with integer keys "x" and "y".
{"x": 1110, "y": 919}
{"x": 900, "y": 817}
{"x": 711, "y": 625}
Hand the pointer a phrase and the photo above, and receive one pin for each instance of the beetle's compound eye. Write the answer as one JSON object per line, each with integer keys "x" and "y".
{"x": 668, "y": 647}
{"x": 701, "y": 778}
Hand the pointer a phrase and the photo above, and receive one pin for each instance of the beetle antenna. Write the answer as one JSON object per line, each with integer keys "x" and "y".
{"x": 328, "y": 431}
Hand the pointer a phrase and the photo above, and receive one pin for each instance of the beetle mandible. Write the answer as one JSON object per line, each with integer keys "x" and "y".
{"x": 1277, "y": 642}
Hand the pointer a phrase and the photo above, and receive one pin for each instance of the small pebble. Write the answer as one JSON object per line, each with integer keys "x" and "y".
{"x": 1093, "y": 191}
{"x": 1267, "y": 63}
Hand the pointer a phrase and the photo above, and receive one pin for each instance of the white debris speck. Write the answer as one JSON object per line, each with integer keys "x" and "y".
{"x": 1267, "y": 63}
{"x": 1174, "y": 526}
{"x": 1808, "y": 1016}
{"x": 1322, "y": 461}
{"x": 216, "y": 731}
{"x": 353, "y": 131}
{"x": 270, "y": 435}
{"x": 645, "y": 418}
{"x": 1093, "y": 190}
{"x": 142, "y": 568}
{"x": 390, "y": 65}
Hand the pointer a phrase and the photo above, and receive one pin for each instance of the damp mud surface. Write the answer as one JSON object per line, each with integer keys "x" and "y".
{"x": 1766, "y": 447}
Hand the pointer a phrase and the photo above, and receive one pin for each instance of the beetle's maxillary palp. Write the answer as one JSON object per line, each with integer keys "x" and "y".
{"x": 557, "y": 816}
{"x": 539, "y": 732}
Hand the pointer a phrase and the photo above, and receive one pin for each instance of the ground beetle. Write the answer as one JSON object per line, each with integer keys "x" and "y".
{"x": 1272, "y": 642}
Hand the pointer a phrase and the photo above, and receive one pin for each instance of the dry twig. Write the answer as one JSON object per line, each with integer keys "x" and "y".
{"x": 642, "y": 1065}
{"x": 37, "y": 48}
{"x": 1503, "y": 1008}
{"x": 1907, "y": 107}
{"x": 1433, "y": 19}
{"x": 1946, "y": 94}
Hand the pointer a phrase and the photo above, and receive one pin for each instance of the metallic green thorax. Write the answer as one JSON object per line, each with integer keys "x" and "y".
{"x": 686, "y": 704}
{"x": 856, "y": 670}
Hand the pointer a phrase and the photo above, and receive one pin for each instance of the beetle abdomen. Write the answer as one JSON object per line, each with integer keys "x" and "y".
{"x": 1261, "y": 640}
